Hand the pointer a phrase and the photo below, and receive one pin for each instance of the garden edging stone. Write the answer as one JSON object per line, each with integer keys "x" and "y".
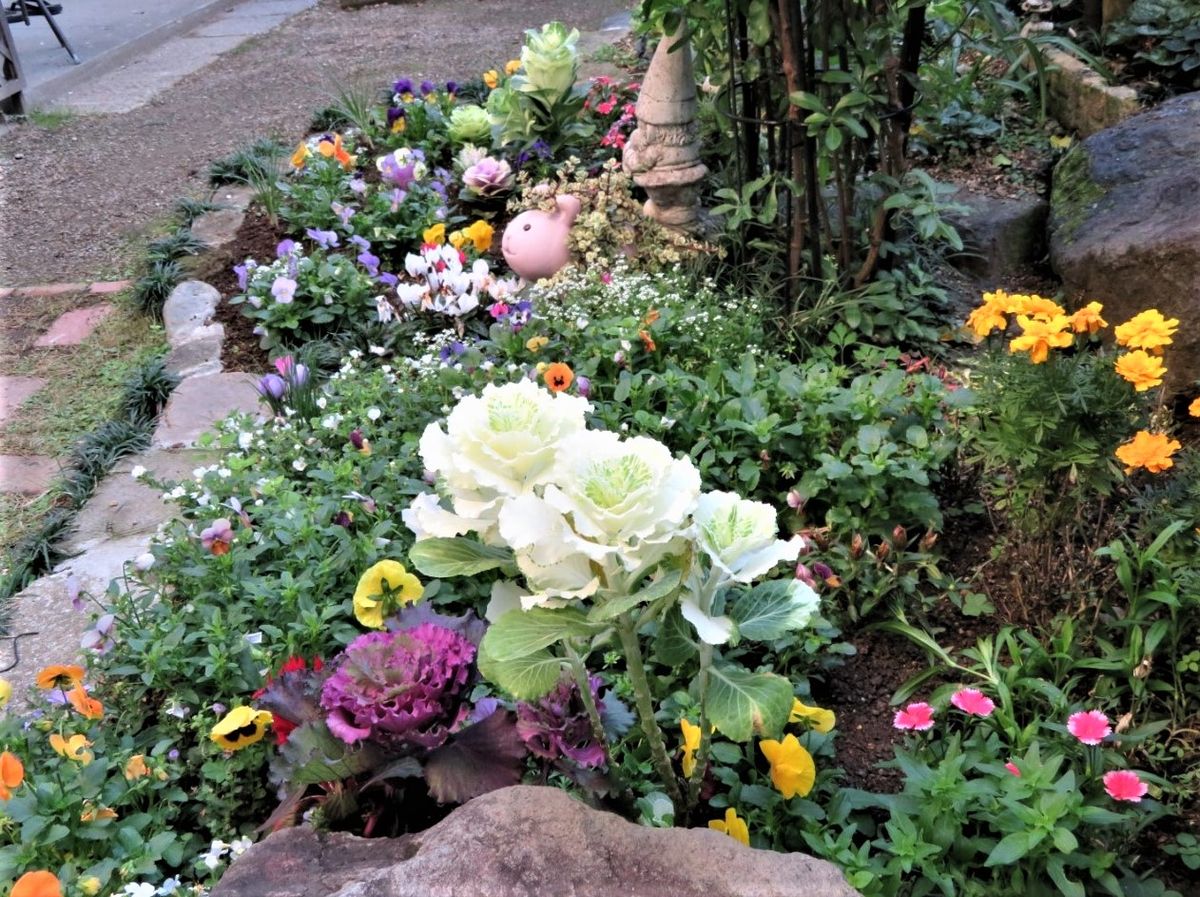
{"x": 520, "y": 841}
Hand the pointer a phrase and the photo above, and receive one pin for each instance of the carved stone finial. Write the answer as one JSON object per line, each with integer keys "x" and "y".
{"x": 663, "y": 153}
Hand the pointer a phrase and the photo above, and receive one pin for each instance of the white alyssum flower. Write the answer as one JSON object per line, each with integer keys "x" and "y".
{"x": 138, "y": 472}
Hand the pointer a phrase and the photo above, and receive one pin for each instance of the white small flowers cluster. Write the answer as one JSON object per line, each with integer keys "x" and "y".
{"x": 441, "y": 283}
{"x": 167, "y": 888}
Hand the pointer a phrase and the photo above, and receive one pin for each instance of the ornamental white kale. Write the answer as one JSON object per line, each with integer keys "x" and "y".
{"x": 739, "y": 536}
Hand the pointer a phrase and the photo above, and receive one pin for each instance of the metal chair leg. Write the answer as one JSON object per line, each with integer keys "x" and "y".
{"x": 62, "y": 38}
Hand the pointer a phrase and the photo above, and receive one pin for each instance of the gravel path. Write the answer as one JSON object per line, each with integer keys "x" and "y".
{"x": 74, "y": 199}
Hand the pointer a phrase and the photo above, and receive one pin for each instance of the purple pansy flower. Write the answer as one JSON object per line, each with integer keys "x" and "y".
{"x": 284, "y": 290}
{"x": 369, "y": 261}
{"x": 452, "y": 87}
{"x": 242, "y": 273}
{"x": 402, "y": 86}
{"x": 427, "y": 87}
{"x": 323, "y": 238}
{"x": 285, "y": 247}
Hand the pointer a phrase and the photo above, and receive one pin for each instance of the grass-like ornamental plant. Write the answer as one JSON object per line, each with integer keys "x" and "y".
{"x": 600, "y": 539}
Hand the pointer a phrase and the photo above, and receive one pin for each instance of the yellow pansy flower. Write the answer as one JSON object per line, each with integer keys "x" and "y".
{"x": 793, "y": 771}
{"x": 491, "y": 78}
{"x": 380, "y": 590}
{"x": 300, "y": 155}
{"x": 732, "y": 826}
{"x": 822, "y": 720}
{"x": 480, "y": 233}
{"x": 512, "y": 66}
{"x": 536, "y": 343}
{"x": 457, "y": 239}
{"x": 73, "y": 747}
{"x": 136, "y": 767}
{"x": 5, "y": 692}
{"x": 434, "y": 236}
{"x": 240, "y": 727}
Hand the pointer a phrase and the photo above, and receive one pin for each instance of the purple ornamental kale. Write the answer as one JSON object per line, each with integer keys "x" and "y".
{"x": 400, "y": 689}
{"x": 558, "y": 726}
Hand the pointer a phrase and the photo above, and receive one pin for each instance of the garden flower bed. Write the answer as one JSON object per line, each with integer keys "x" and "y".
{"x": 790, "y": 567}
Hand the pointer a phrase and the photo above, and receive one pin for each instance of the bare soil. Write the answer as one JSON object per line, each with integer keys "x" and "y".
{"x": 77, "y": 198}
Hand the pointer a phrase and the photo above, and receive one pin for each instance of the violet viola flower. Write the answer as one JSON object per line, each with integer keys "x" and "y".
{"x": 344, "y": 213}
{"x": 243, "y": 274}
{"x": 427, "y": 87}
{"x": 285, "y": 247}
{"x": 584, "y": 385}
{"x": 323, "y": 238}
{"x": 401, "y": 176}
{"x": 357, "y": 440}
{"x": 75, "y": 592}
{"x": 387, "y": 279}
{"x": 284, "y": 290}
{"x": 394, "y": 114}
{"x": 361, "y": 242}
{"x": 271, "y": 386}
{"x": 398, "y": 196}
{"x": 99, "y": 638}
{"x": 369, "y": 261}
{"x": 402, "y": 86}
{"x": 218, "y": 536}
{"x": 451, "y": 87}
{"x": 358, "y": 186}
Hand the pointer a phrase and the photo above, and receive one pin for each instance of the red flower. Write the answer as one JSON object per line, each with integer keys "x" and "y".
{"x": 973, "y": 702}
{"x": 1122, "y": 784}
{"x": 280, "y": 726}
{"x": 918, "y": 717}
{"x": 1012, "y": 767}
{"x": 1089, "y": 726}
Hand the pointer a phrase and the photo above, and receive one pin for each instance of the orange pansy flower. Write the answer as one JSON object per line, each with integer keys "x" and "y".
{"x": 37, "y": 884}
{"x": 89, "y": 707}
{"x": 558, "y": 376}
{"x": 12, "y": 774}
{"x": 59, "y": 675}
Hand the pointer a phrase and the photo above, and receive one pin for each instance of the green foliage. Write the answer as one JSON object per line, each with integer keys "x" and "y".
{"x": 261, "y": 156}
{"x": 1164, "y": 36}
{"x": 152, "y": 289}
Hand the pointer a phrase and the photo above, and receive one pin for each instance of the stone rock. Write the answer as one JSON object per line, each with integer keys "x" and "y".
{"x": 26, "y": 474}
{"x": 189, "y": 308}
{"x": 234, "y": 197}
{"x": 73, "y": 327}
{"x": 219, "y": 227}
{"x": 1001, "y": 236}
{"x": 1125, "y": 224}
{"x": 14, "y": 391}
{"x": 198, "y": 403}
{"x": 200, "y": 355}
{"x": 526, "y": 841}
{"x": 1080, "y": 99}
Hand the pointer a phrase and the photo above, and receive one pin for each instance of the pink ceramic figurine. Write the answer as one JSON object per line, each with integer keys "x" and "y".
{"x": 535, "y": 242}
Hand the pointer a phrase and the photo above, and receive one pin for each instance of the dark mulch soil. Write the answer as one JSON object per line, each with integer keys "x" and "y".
{"x": 256, "y": 239}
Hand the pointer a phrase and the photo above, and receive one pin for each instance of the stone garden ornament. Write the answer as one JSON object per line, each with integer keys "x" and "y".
{"x": 663, "y": 153}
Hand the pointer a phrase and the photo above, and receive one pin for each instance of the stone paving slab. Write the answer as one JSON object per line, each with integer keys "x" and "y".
{"x": 106, "y": 287}
{"x": 219, "y": 227}
{"x": 73, "y": 327}
{"x": 188, "y": 310}
{"x": 26, "y": 474}
{"x": 14, "y": 391}
{"x": 199, "y": 402}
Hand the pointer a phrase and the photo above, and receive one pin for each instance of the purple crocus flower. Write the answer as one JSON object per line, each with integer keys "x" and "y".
{"x": 271, "y": 386}
{"x": 427, "y": 87}
{"x": 369, "y": 261}
{"x": 243, "y": 274}
{"x": 285, "y": 247}
{"x": 284, "y": 290}
{"x": 290, "y": 371}
{"x": 323, "y": 238}
{"x": 402, "y": 86}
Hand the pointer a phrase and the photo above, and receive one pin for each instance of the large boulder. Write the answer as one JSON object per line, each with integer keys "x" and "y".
{"x": 1125, "y": 223}
{"x": 526, "y": 841}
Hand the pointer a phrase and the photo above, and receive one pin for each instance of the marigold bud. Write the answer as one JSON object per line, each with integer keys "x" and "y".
{"x": 857, "y": 544}
{"x": 900, "y": 536}
{"x": 928, "y": 540}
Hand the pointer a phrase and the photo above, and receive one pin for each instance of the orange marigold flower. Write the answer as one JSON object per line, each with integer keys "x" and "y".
{"x": 88, "y": 707}
{"x": 1141, "y": 369}
{"x": 59, "y": 675}
{"x": 986, "y": 318}
{"x": 1087, "y": 319}
{"x": 1152, "y": 451}
{"x": 12, "y": 774}
{"x": 1194, "y": 408}
{"x": 1147, "y": 330}
{"x": 1036, "y": 307}
{"x": 558, "y": 376}
{"x": 37, "y": 884}
{"x": 1039, "y": 336}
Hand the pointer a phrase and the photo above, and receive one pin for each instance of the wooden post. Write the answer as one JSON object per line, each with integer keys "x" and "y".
{"x": 12, "y": 83}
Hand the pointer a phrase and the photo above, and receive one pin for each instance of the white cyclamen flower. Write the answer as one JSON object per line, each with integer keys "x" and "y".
{"x": 739, "y": 536}
{"x": 629, "y": 495}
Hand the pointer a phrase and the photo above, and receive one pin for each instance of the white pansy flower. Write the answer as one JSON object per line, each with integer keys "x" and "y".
{"x": 739, "y": 535}
{"x": 629, "y": 494}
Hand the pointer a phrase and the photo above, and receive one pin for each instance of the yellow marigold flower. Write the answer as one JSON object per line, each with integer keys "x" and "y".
{"x": 491, "y": 78}
{"x": 61, "y": 676}
{"x": 385, "y": 586}
{"x": 1141, "y": 369}
{"x": 300, "y": 155}
{"x": 434, "y": 236}
{"x": 1193, "y": 410}
{"x": 986, "y": 318}
{"x": 5, "y": 692}
{"x": 512, "y": 66}
{"x": 457, "y": 239}
{"x": 136, "y": 767}
{"x": 822, "y": 720}
{"x": 793, "y": 771}
{"x": 1039, "y": 336}
{"x": 691, "y": 744}
{"x": 87, "y": 707}
{"x": 732, "y": 826}
{"x": 1010, "y": 305}
{"x": 1037, "y": 307}
{"x": 1147, "y": 330}
{"x": 73, "y": 747}
{"x": 1087, "y": 319}
{"x": 12, "y": 774}
{"x": 1152, "y": 451}
{"x": 240, "y": 727}
{"x": 480, "y": 233}
{"x": 89, "y": 886}
{"x": 536, "y": 343}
